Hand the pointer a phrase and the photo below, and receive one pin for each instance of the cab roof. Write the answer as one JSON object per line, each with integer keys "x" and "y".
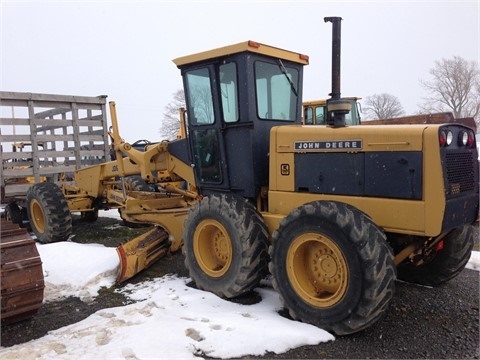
{"x": 251, "y": 46}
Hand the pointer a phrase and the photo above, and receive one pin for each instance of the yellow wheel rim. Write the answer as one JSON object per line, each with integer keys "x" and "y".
{"x": 37, "y": 216}
{"x": 317, "y": 270}
{"x": 212, "y": 248}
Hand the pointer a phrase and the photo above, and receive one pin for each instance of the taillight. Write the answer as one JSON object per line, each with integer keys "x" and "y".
{"x": 445, "y": 138}
{"x": 462, "y": 138}
{"x": 442, "y": 138}
{"x": 466, "y": 138}
{"x": 471, "y": 138}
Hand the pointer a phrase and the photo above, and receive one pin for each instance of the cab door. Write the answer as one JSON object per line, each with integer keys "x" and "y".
{"x": 204, "y": 124}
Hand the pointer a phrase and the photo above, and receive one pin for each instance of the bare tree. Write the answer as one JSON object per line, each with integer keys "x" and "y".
{"x": 382, "y": 106}
{"x": 455, "y": 86}
{"x": 171, "y": 116}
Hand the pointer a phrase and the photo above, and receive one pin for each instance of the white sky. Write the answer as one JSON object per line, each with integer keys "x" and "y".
{"x": 170, "y": 321}
{"x": 124, "y": 49}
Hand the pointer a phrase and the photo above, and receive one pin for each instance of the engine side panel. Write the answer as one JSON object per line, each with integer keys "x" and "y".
{"x": 378, "y": 174}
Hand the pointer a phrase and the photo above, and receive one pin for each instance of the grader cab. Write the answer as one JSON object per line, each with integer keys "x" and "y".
{"x": 334, "y": 213}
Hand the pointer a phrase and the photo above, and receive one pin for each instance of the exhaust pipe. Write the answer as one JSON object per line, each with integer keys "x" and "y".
{"x": 336, "y": 50}
{"x": 336, "y": 107}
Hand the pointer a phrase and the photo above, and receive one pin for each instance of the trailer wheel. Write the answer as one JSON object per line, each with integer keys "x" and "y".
{"x": 48, "y": 212}
{"x": 13, "y": 213}
{"x": 446, "y": 263}
{"x": 332, "y": 267}
{"x": 225, "y": 245}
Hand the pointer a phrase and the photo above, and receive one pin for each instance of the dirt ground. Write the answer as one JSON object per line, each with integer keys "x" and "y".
{"x": 441, "y": 322}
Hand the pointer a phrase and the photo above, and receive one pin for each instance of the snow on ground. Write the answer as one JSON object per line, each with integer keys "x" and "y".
{"x": 169, "y": 321}
{"x": 474, "y": 262}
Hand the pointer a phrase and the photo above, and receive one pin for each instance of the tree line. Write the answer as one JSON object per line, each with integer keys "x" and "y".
{"x": 454, "y": 86}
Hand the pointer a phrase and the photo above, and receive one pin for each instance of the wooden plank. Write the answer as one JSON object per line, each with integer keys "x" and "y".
{"x": 17, "y": 173}
{"x": 56, "y": 170}
{"x": 54, "y": 123}
{"x": 15, "y": 96}
{"x": 70, "y": 137}
{"x": 90, "y": 122}
{"x": 100, "y": 117}
{"x": 12, "y": 190}
{"x": 92, "y": 133}
{"x": 14, "y": 121}
{"x": 15, "y": 138}
{"x": 52, "y": 112}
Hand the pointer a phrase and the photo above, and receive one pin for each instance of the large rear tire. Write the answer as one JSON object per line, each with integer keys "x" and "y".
{"x": 48, "y": 212}
{"x": 332, "y": 267}
{"x": 225, "y": 245}
{"x": 445, "y": 264}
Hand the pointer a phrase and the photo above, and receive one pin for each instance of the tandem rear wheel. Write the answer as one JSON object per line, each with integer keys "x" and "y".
{"x": 446, "y": 261}
{"x": 332, "y": 267}
{"x": 225, "y": 245}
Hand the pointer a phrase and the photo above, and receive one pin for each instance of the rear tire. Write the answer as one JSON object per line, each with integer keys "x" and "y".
{"x": 446, "y": 264}
{"x": 225, "y": 245}
{"x": 332, "y": 267}
{"x": 48, "y": 212}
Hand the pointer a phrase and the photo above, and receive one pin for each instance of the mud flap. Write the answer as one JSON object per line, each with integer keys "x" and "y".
{"x": 141, "y": 252}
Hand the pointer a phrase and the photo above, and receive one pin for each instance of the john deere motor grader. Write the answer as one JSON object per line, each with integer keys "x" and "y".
{"x": 335, "y": 213}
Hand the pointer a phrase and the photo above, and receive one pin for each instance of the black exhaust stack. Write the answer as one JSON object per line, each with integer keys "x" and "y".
{"x": 336, "y": 107}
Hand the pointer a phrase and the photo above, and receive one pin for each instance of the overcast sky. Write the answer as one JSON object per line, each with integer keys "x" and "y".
{"x": 124, "y": 49}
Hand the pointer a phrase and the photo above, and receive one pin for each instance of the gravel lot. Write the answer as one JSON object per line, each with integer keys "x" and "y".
{"x": 440, "y": 323}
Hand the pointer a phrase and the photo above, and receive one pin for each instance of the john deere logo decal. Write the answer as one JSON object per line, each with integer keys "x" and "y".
{"x": 337, "y": 145}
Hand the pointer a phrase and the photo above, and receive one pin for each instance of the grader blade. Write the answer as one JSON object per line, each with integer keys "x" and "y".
{"x": 141, "y": 252}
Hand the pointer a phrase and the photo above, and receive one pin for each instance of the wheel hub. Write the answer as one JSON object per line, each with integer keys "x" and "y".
{"x": 212, "y": 248}
{"x": 37, "y": 215}
{"x": 317, "y": 269}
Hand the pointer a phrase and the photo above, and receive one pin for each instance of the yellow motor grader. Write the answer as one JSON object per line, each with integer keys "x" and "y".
{"x": 334, "y": 213}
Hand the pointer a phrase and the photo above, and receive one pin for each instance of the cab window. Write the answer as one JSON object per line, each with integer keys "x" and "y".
{"x": 308, "y": 116}
{"x": 228, "y": 89}
{"x": 276, "y": 91}
{"x": 320, "y": 115}
{"x": 200, "y": 107}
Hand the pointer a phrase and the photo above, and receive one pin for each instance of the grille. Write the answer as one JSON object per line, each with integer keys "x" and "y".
{"x": 460, "y": 173}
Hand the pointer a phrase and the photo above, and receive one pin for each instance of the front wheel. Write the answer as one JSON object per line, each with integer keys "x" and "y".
{"x": 225, "y": 245}
{"x": 48, "y": 212}
{"x": 332, "y": 267}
